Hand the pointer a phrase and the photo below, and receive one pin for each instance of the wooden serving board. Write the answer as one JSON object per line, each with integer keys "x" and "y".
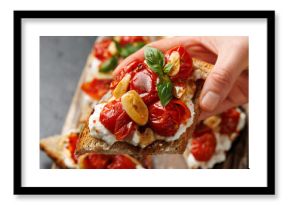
{"x": 237, "y": 157}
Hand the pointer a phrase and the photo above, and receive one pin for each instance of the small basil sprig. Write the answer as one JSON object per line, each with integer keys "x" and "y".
{"x": 155, "y": 60}
{"x": 130, "y": 49}
{"x": 123, "y": 52}
{"x": 109, "y": 65}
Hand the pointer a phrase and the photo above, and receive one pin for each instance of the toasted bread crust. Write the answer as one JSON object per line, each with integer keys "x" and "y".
{"x": 87, "y": 143}
{"x": 53, "y": 147}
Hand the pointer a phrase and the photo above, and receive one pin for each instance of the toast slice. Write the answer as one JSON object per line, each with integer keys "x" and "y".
{"x": 53, "y": 147}
{"x": 88, "y": 143}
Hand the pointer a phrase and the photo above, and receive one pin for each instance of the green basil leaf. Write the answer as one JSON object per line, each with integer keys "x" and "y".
{"x": 154, "y": 59}
{"x": 109, "y": 65}
{"x": 164, "y": 89}
{"x": 130, "y": 48}
{"x": 167, "y": 68}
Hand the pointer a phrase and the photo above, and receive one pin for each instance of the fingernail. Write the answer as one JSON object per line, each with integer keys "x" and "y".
{"x": 210, "y": 101}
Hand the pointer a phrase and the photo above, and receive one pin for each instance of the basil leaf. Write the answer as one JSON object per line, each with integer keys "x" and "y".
{"x": 109, "y": 65}
{"x": 154, "y": 59}
{"x": 167, "y": 68}
{"x": 130, "y": 48}
{"x": 164, "y": 89}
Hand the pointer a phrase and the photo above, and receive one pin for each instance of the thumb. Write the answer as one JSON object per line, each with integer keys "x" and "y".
{"x": 221, "y": 79}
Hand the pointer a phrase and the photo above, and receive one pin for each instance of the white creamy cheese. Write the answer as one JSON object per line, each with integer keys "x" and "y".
{"x": 68, "y": 161}
{"x": 216, "y": 158}
{"x": 242, "y": 121}
{"x": 138, "y": 166}
{"x": 97, "y": 129}
{"x": 224, "y": 144}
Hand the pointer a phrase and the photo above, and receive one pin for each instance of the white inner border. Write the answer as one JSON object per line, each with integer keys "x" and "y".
{"x": 256, "y": 29}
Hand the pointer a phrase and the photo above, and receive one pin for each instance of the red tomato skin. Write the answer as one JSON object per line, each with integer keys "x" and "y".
{"x": 110, "y": 113}
{"x": 102, "y": 161}
{"x": 121, "y": 162}
{"x": 126, "y": 69}
{"x": 203, "y": 145}
{"x": 97, "y": 161}
{"x": 124, "y": 40}
{"x": 115, "y": 119}
{"x": 165, "y": 121}
{"x": 229, "y": 122}
{"x": 97, "y": 88}
{"x": 186, "y": 68}
{"x": 101, "y": 51}
{"x": 124, "y": 126}
{"x": 71, "y": 145}
{"x": 143, "y": 81}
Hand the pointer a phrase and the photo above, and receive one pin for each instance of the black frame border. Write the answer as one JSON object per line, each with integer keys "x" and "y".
{"x": 17, "y": 103}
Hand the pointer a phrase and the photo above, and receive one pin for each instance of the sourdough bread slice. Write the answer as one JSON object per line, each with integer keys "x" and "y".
{"x": 53, "y": 146}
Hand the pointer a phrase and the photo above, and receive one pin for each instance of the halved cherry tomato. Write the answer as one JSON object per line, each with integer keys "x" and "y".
{"x": 101, "y": 51}
{"x": 97, "y": 88}
{"x": 143, "y": 81}
{"x": 186, "y": 68}
{"x": 165, "y": 121}
{"x": 115, "y": 119}
{"x": 71, "y": 145}
{"x": 97, "y": 161}
{"x": 126, "y": 69}
{"x": 203, "y": 143}
{"x": 131, "y": 39}
{"x": 102, "y": 161}
{"x": 121, "y": 162}
{"x": 229, "y": 122}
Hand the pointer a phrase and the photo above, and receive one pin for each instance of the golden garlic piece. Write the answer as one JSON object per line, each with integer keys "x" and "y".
{"x": 122, "y": 86}
{"x": 135, "y": 107}
{"x": 174, "y": 59}
{"x": 212, "y": 122}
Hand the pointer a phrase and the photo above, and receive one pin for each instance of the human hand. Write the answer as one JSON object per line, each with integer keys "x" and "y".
{"x": 227, "y": 84}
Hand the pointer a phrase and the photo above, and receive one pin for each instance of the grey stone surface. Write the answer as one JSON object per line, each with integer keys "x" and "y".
{"x": 62, "y": 59}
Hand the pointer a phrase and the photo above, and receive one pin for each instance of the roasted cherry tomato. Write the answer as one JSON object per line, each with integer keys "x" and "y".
{"x": 97, "y": 161}
{"x": 97, "y": 88}
{"x": 115, "y": 119}
{"x": 126, "y": 69}
{"x": 143, "y": 81}
{"x": 229, "y": 122}
{"x": 186, "y": 68}
{"x": 71, "y": 145}
{"x": 165, "y": 121}
{"x": 130, "y": 39}
{"x": 102, "y": 161}
{"x": 203, "y": 144}
{"x": 101, "y": 49}
{"x": 121, "y": 162}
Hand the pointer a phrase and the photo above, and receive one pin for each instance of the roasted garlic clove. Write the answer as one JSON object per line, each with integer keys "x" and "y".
{"x": 122, "y": 86}
{"x": 135, "y": 107}
{"x": 174, "y": 59}
{"x": 212, "y": 122}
